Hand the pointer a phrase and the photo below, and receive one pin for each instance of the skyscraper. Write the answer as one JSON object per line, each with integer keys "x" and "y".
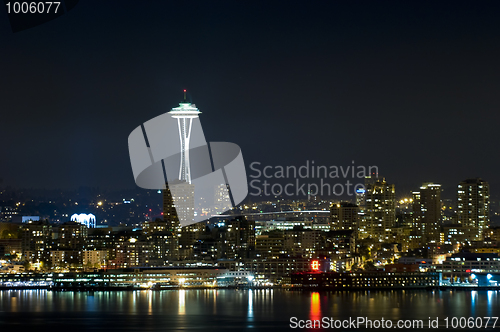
{"x": 344, "y": 216}
{"x": 473, "y": 207}
{"x": 166, "y": 236}
{"x": 222, "y": 202}
{"x": 183, "y": 200}
{"x": 427, "y": 213}
{"x": 380, "y": 211}
{"x": 169, "y": 211}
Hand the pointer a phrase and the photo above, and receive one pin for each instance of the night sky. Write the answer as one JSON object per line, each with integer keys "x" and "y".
{"x": 409, "y": 86}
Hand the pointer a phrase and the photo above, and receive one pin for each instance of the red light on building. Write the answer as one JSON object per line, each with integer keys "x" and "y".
{"x": 315, "y": 265}
{"x": 467, "y": 271}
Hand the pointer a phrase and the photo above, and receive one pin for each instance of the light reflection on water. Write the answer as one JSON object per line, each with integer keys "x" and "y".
{"x": 266, "y": 310}
{"x": 315, "y": 312}
{"x": 182, "y": 302}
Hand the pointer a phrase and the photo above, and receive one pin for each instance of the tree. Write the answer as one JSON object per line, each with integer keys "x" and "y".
{"x": 364, "y": 252}
{"x": 355, "y": 267}
{"x": 369, "y": 266}
{"x": 9, "y": 234}
{"x": 27, "y": 266}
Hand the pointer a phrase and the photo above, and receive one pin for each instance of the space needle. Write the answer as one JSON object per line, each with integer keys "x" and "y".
{"x": 185, "y": 114}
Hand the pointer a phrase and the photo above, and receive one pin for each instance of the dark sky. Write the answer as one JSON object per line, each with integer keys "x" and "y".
{"x": 409, "y": 86}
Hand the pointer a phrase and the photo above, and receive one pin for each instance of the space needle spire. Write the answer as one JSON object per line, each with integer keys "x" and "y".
{"x": 185, "y": 114}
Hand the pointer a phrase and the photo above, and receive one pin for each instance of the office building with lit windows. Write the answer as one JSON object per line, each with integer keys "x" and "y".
{"x": 473, "y": 200}
{"x": 427, "y": 213}
{"x": 380, "y": 211}
{"x": 344, "y": 216}
{"x": 365, "y": 280}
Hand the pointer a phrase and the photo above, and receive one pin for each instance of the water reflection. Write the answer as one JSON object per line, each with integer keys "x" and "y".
{"x": 250, "y": 305}
{"x": 473, "y": 297}
{"x": 182, "y": 302}
{"x": 233, "y": 309}
{"x": 315, "y": 312}
{"x": 150, "y": 302}
{"x": 491, "y": 295}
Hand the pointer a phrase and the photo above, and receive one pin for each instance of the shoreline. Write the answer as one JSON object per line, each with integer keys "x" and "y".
{"x": 301, "y": 289}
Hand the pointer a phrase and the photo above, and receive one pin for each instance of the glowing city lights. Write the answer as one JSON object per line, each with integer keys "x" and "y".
{"x": 315, "y": 265}
{"x": 86, "y": 219}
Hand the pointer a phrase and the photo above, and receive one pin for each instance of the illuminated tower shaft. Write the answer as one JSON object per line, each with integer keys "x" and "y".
{"x": 185, "y": 125}
{"x": 185, "y": 114}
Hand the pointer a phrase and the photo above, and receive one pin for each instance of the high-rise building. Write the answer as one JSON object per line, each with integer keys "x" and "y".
{"x": 183, "y": 200}
{"x": 164, "y": 234}
{"x": 189, "y": 235}
{"x": 344, "y": 216}
{"x": 165, "y": 243}
{"x": 238, "y": 238}
{"x": 300, "y": 242}
{"x": 427, "y": 213}
{"x": 473, "y": 208}
{"x": 380, "y": 211}
{"x": 134, "y": 252}
{"x": 270, "y": 245}
{"x": 360, "y": 198}
{"x": 72, "y": 235}
{"x": 169, "y": 211}
{"x": 222, "y": 202}
{"x": 36, "y": 241}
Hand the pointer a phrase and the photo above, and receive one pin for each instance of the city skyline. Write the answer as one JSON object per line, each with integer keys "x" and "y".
{"x": 342, "y": 175}
{"x": 398, "y": 92}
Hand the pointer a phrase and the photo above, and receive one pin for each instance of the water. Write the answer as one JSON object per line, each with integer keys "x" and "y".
{"x": 228, "y": 310}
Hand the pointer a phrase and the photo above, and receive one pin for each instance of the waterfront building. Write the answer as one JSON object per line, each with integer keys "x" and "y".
{"x": 462, "y": 265}
{"x": 153, "y": 278}
{"x": 267, "y": 269}
{"x": 365, "y": 280}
